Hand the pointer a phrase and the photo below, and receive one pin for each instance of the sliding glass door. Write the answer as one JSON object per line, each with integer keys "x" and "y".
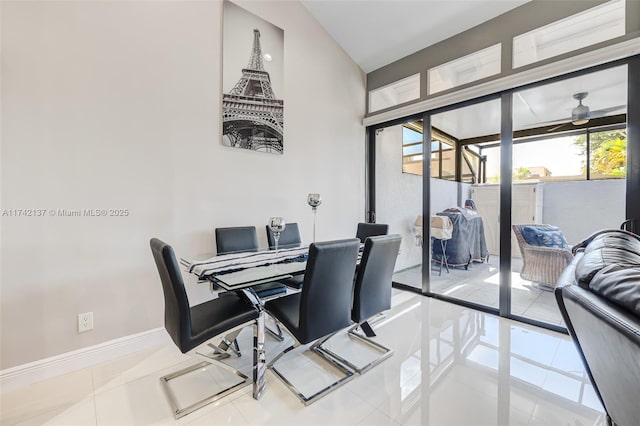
{"x": 465, "y": 201}
{"x": 569, "y": 179}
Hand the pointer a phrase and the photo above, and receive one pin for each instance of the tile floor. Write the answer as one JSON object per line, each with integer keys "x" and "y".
{"x": 480, "y": 284}
{"x": 451, "y": 366}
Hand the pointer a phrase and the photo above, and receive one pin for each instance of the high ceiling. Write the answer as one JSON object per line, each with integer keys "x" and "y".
{"x": 377, "y": 32}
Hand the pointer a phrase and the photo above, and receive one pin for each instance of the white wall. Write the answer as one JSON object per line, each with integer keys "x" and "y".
{"x": 580, "y": 208}
{"x": 399, "y": 195}
{"x": 117, "y": 105}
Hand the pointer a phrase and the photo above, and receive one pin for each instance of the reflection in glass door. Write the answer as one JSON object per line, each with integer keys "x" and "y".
{"x": 465, "y": 201}
{"x": 569, "y": 170}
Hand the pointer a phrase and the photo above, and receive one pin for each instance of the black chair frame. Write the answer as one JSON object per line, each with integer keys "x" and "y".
{"x": 307, "y": 330}
{"x": 376, "y": 266}
{"x": 191, "y": 327}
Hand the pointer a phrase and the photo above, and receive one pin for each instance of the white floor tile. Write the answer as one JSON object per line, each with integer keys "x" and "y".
{"x": 45, "y": 400}
{"x": 280, "y": 407}
{"x": 132, "y": 367}
{"x": 562, "y": 412}
{"x": 137, "y": 402}
{"x": 226, "y": 414}
{"x": 377, "y": 418}
{"x": 82, "y": 413}
{"x": 451, "y": 366}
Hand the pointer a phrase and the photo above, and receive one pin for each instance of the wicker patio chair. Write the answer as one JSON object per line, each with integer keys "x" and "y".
{"x": 540, "y": 264}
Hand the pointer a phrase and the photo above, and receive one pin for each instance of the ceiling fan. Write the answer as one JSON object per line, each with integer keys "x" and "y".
{"x": 581, "y": 114}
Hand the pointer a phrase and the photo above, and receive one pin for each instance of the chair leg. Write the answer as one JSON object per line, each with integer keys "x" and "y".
{"x": 386, "y": 352}
{"x": 317, "y": 348}
{"x": 180, "y": 412}
{"x": 218, "y": 352}
{"x": 443, "y": 244}
{"x": 366, "y": 328}
{"x": 228, "y": 342}
{"x": 221, "y": 350}
{"x": 277, "y": 333}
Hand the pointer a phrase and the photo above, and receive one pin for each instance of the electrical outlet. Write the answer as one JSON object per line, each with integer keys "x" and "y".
{"x": 85, "y": 322}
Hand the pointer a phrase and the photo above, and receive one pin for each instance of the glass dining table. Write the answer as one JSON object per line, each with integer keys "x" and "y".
{"x": 240, "y": 272}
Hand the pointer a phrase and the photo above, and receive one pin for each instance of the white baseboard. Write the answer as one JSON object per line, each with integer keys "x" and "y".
{"x": 26, "y": 374}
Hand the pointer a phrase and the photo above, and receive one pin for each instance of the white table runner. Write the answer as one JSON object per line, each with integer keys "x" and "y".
{"x": 237, "y": 261}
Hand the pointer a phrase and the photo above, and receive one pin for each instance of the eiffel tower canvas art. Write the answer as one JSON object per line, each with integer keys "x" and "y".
{"x": 252, "y": 115}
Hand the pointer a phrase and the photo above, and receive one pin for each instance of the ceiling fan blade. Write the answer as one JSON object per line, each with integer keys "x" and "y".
{"x": 549, "y": 123}
{"x": 605, "y": 111}
{"x": 565, "y": 124}
{"x": 593, "y": 114}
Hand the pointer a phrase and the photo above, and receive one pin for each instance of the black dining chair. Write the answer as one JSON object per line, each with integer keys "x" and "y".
{"x": 322, "y": 308}
{"x": 236, "y": 239}
{"x": 289, "y": 238}
{"x": 371, "y": 230}
{"x": 189, "y": 327}
{"x": 372, "y": 293}
{"x": 245, "y": 239}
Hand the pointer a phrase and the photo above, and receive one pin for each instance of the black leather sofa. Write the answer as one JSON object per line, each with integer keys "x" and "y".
{"x": 599, "y": 298}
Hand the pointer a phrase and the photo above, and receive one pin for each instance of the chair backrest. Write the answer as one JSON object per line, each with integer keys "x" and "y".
{"x": 372, "y": 292}
{"x": 371, "y": 230}
{"x": 325, "y": 303}
{"x": 236, "y": 239}
{"x": 289, "y": 238}
{"x": 540, "y": 235}
{"x": 177, "y": 315}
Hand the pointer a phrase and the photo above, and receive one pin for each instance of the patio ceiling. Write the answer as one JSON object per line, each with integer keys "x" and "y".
{"x": 541, "y": 106}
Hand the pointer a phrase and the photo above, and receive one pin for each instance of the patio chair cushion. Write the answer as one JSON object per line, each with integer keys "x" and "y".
{"x": 544, "y": 236}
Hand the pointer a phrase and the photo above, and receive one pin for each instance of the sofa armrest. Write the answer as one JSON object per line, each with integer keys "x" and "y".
{"x": 585, "y": 242}
{"x": 608, "y": 340}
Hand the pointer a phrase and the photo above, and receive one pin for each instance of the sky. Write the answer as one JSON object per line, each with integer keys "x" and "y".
{"x": 237, "y": 44}
{"x": 558, "y": 155}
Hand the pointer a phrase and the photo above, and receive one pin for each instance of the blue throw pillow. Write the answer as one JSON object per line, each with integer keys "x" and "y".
{"x": 544, "y": 236}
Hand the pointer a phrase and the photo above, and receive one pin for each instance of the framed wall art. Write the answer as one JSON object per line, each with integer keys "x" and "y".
{"x": 252, "y": 80}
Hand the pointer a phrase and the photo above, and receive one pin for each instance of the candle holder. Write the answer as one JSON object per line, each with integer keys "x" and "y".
{"x": 276, "y": 225}
{"x": 314, "y": 200}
